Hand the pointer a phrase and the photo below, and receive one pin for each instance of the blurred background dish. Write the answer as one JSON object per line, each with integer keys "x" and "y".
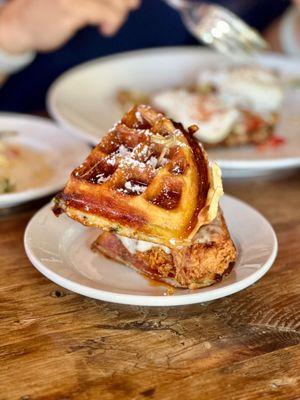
{"x": 83, "y": 100}
{"x": 233, "y": 105}
{"x": 36, "y": 158}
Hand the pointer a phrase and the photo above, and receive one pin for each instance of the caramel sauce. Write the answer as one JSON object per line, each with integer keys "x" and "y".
{"x": 154, "y": 283}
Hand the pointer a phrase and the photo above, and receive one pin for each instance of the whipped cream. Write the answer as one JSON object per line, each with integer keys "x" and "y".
{"x": 134, "y": 245}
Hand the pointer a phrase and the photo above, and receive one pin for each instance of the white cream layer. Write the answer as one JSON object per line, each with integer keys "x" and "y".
{"x": 134, "y": 245}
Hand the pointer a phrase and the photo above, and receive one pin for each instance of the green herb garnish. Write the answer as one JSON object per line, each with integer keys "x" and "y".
{"x": 6, "y": 186}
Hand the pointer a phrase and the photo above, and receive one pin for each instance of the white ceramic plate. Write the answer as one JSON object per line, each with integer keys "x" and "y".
{"x": 64, "y": 256}
{"x": 83, "y": 100}
{"x": 61, "y": 151}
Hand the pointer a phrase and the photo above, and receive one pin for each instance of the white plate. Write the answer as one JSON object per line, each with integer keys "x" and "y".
{"x": 62, "y": 152}
{"x": 83, "y": 100}
{"x": 63, "y": 255}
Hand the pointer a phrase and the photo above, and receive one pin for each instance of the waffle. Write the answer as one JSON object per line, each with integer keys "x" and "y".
{"x": 206, "y": 261}
{"x": 148, "y": 179}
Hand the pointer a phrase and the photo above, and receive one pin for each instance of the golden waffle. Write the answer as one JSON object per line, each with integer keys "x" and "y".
{"x": 146, "y": 179}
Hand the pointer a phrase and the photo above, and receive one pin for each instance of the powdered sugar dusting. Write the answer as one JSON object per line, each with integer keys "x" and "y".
{"x": 144, "y": 151}
{"x": 163, "y": 161}
{"x": 128, "y": 161}
{"x": 139, "y": 117}
{"x": 127, "y": 157}
{"x": 115, "y": 126}
{"x": 122, "y": 151}
{"x": 176, "y": 169}
{"x": 100, "y": 178}
{"x": 135, "y": 187}
{"x": 143, "y": 157}
{"x": 152, "y": 161}
{"x": 111, "y": 161}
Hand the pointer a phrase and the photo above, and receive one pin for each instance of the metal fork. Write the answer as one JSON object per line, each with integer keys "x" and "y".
{"x": 219, "y": 28}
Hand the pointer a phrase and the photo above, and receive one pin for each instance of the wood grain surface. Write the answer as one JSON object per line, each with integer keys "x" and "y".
{"x": 57, "y": 345}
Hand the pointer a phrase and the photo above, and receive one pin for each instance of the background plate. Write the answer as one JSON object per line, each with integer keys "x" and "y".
{"x": 62, "y": 151}
{"x": 83, "y": 100}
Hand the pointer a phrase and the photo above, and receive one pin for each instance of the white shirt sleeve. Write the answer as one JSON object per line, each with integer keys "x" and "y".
{"x": 10, "y": 63}
{"x": 287, "y": 33}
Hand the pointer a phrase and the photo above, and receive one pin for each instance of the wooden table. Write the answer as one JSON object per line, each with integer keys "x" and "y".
{"x": 58, "y": 345}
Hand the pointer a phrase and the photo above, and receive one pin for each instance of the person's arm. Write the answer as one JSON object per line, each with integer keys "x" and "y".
{"x": 27, "y": 26}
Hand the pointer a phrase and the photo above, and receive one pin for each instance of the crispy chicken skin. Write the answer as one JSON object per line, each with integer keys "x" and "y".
{"x": 203, "y": 263}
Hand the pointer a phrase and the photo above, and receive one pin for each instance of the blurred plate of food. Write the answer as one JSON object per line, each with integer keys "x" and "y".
{"x": 36, "y": 157}
{"x": 247, "y": 114}
{"x": 65, "y": 257}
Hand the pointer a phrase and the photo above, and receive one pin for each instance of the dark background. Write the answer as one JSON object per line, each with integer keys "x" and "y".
{"x": 153, "y": 24}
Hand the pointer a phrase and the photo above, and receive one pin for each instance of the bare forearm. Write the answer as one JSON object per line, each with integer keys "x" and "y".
{"x": 43, "y": 25}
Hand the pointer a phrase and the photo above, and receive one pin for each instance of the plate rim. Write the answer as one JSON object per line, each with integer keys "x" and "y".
{"x": 272, "y": 164}
{"x": 150, "y": 300}
{"x": 16, "y": 198}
